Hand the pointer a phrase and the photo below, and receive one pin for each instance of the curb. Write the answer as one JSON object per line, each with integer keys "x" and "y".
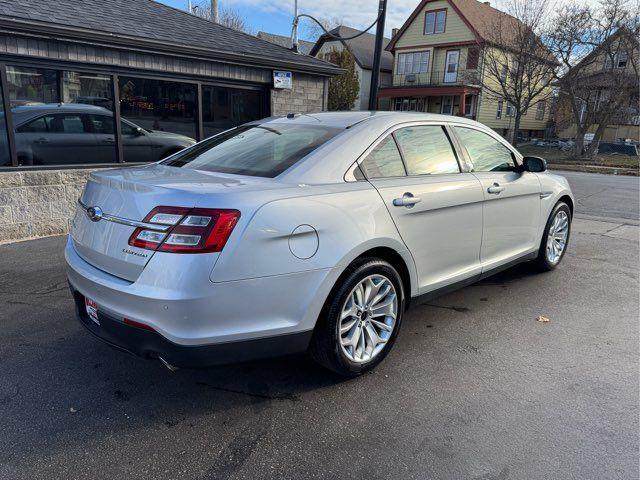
{"x": 595, "y": 169}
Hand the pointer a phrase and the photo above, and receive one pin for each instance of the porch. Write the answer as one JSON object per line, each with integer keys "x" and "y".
{"x": 459, "y": 101}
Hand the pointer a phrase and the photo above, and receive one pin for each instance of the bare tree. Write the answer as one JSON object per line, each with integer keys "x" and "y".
{"x": 312, "y": 30}
{"x": 228, "y": 17}
{"x": 517, "y": 67}
{"x": 598, "y": 81}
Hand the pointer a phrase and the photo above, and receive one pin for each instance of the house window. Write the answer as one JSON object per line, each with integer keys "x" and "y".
{"x": 503, "y": 73}
{"x": 499, "y": 111}
{"x": 435, "y": 22}
{"x": 469, "y": 105}
{"x": 540, "y": 110}
{"x": 415, "y": 62}
{"x": 446, "y": 107}
{"x": 510, "y": 110}
{"x": 473, "y": 56}
{"x": 621, "y": 59}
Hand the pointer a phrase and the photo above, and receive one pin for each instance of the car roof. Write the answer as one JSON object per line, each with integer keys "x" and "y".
{"x": 25, "y": 112}
{"x": 349, "y": 119}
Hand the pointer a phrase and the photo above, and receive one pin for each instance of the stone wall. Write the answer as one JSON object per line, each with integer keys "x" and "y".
{"x": 308, "y": 95}
{"x": 38, "y": 203}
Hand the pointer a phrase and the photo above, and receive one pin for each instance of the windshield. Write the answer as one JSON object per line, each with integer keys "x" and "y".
{"x": 257, "y": 150}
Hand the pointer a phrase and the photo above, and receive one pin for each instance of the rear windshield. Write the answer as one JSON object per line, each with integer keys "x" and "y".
{"x": 256, "y": 150}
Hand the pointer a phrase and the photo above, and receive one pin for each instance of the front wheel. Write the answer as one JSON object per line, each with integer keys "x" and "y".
{"x": 360, "y": 320}
{"x": 555, "y": 238}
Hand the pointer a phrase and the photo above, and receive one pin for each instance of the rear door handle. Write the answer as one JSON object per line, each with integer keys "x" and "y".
{"x": 495, "y": 189}
{"x": 407, "y": 200}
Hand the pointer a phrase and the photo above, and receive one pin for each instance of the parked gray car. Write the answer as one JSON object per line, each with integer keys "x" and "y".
{"x": 305, "y": 233}
{"x": 72, "y": 133}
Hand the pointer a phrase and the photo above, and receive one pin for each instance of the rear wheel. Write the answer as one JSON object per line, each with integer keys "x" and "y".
{"x": 555, "y": 238}
{"x": 361, "y": 318}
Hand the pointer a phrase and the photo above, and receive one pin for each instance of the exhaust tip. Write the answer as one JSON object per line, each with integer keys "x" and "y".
{"x": 168, "y": 365}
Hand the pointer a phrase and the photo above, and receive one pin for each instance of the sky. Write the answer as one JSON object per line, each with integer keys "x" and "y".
{"x": 275, "y": 16}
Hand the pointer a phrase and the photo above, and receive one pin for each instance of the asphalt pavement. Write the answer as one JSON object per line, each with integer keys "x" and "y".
{"x": 475, "y": 387}
{"x": 614, "y": 197}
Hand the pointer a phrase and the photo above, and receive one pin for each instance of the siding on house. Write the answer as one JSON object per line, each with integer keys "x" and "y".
{"x": 455, "y": 31}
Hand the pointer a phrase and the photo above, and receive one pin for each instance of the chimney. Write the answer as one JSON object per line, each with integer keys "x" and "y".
{"x": 393, "y": 32}
{"x": 487, "y": 3}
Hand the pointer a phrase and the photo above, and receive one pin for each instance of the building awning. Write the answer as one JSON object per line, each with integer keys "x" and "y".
{"x": 394, "y": 92}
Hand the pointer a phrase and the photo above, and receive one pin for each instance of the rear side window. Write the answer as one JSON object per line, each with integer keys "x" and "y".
{"x": 264, "y": 150}
{"x": 487, "y": 154}
{"x": 384, "y": 160}
{"x": 426, "y": 150}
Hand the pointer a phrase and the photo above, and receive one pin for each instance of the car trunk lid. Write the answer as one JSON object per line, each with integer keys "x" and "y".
{"x": 130, "y": 194}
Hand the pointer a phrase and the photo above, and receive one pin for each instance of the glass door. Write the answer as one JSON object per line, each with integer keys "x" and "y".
{"x": 451, "y": 66}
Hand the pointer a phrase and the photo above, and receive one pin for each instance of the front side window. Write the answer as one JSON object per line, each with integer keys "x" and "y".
{"x": 384, "y": 161}
{"x": 487, "y": 154}
{"x": 435, "y": 22}
{"x": 426, "y": 150}
{"x": 256, "y": 150}
{"x": 101, "y": 124}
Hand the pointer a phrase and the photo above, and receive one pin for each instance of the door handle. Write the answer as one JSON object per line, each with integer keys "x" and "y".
{"x": 42, "y": 140}
{"x": 108, "y": 140}
{"x": 495, "y": 189}
{"x": 407, "y": 200}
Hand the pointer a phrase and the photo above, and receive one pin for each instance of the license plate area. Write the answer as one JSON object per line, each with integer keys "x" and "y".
{"x": 91, "y": 308}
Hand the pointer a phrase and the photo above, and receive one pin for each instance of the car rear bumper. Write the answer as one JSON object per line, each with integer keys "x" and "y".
{"x": 150, "y": 344}
{"x": 200, "y": 322}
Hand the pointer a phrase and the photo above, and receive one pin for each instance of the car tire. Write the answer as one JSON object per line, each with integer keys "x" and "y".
{"x": 548, "y": 258}
{"x": 371, "y": 311}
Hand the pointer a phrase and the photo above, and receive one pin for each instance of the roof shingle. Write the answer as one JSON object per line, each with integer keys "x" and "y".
{"x": 362, "y": 47}
{"x": 150, "y": 20}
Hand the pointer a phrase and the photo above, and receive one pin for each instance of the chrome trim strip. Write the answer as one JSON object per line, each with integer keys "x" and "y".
{"x": 131, "y": 223}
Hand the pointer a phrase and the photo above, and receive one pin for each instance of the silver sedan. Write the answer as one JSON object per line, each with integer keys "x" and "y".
{"x": 305, "y": 233}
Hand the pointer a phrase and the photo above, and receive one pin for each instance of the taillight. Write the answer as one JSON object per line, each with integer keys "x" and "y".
{"x": 192, "y": 230}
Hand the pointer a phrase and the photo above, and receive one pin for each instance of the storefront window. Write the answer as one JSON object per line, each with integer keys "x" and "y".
{"x": 32, "y": 86}
{"x": 5, "y": 156}
{"x": 82, "y": 88}
{"x": 224, "y": 108}
{"x": 87, "y": 88}
{"x": 161, "y": 117}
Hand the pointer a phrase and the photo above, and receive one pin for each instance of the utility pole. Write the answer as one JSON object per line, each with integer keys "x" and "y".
{"x": 294, "y": 34}
{"x": 375, "y": 73}
{"x": 214, "y": 11}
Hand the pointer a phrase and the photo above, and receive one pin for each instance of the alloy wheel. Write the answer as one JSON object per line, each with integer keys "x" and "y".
{"x": 368, "y": 318}
{"x": 557, "y": 237}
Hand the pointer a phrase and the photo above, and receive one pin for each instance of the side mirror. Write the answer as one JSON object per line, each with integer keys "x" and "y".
{"x": 139, "y": 131}
{"x": 534, "y": 164}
